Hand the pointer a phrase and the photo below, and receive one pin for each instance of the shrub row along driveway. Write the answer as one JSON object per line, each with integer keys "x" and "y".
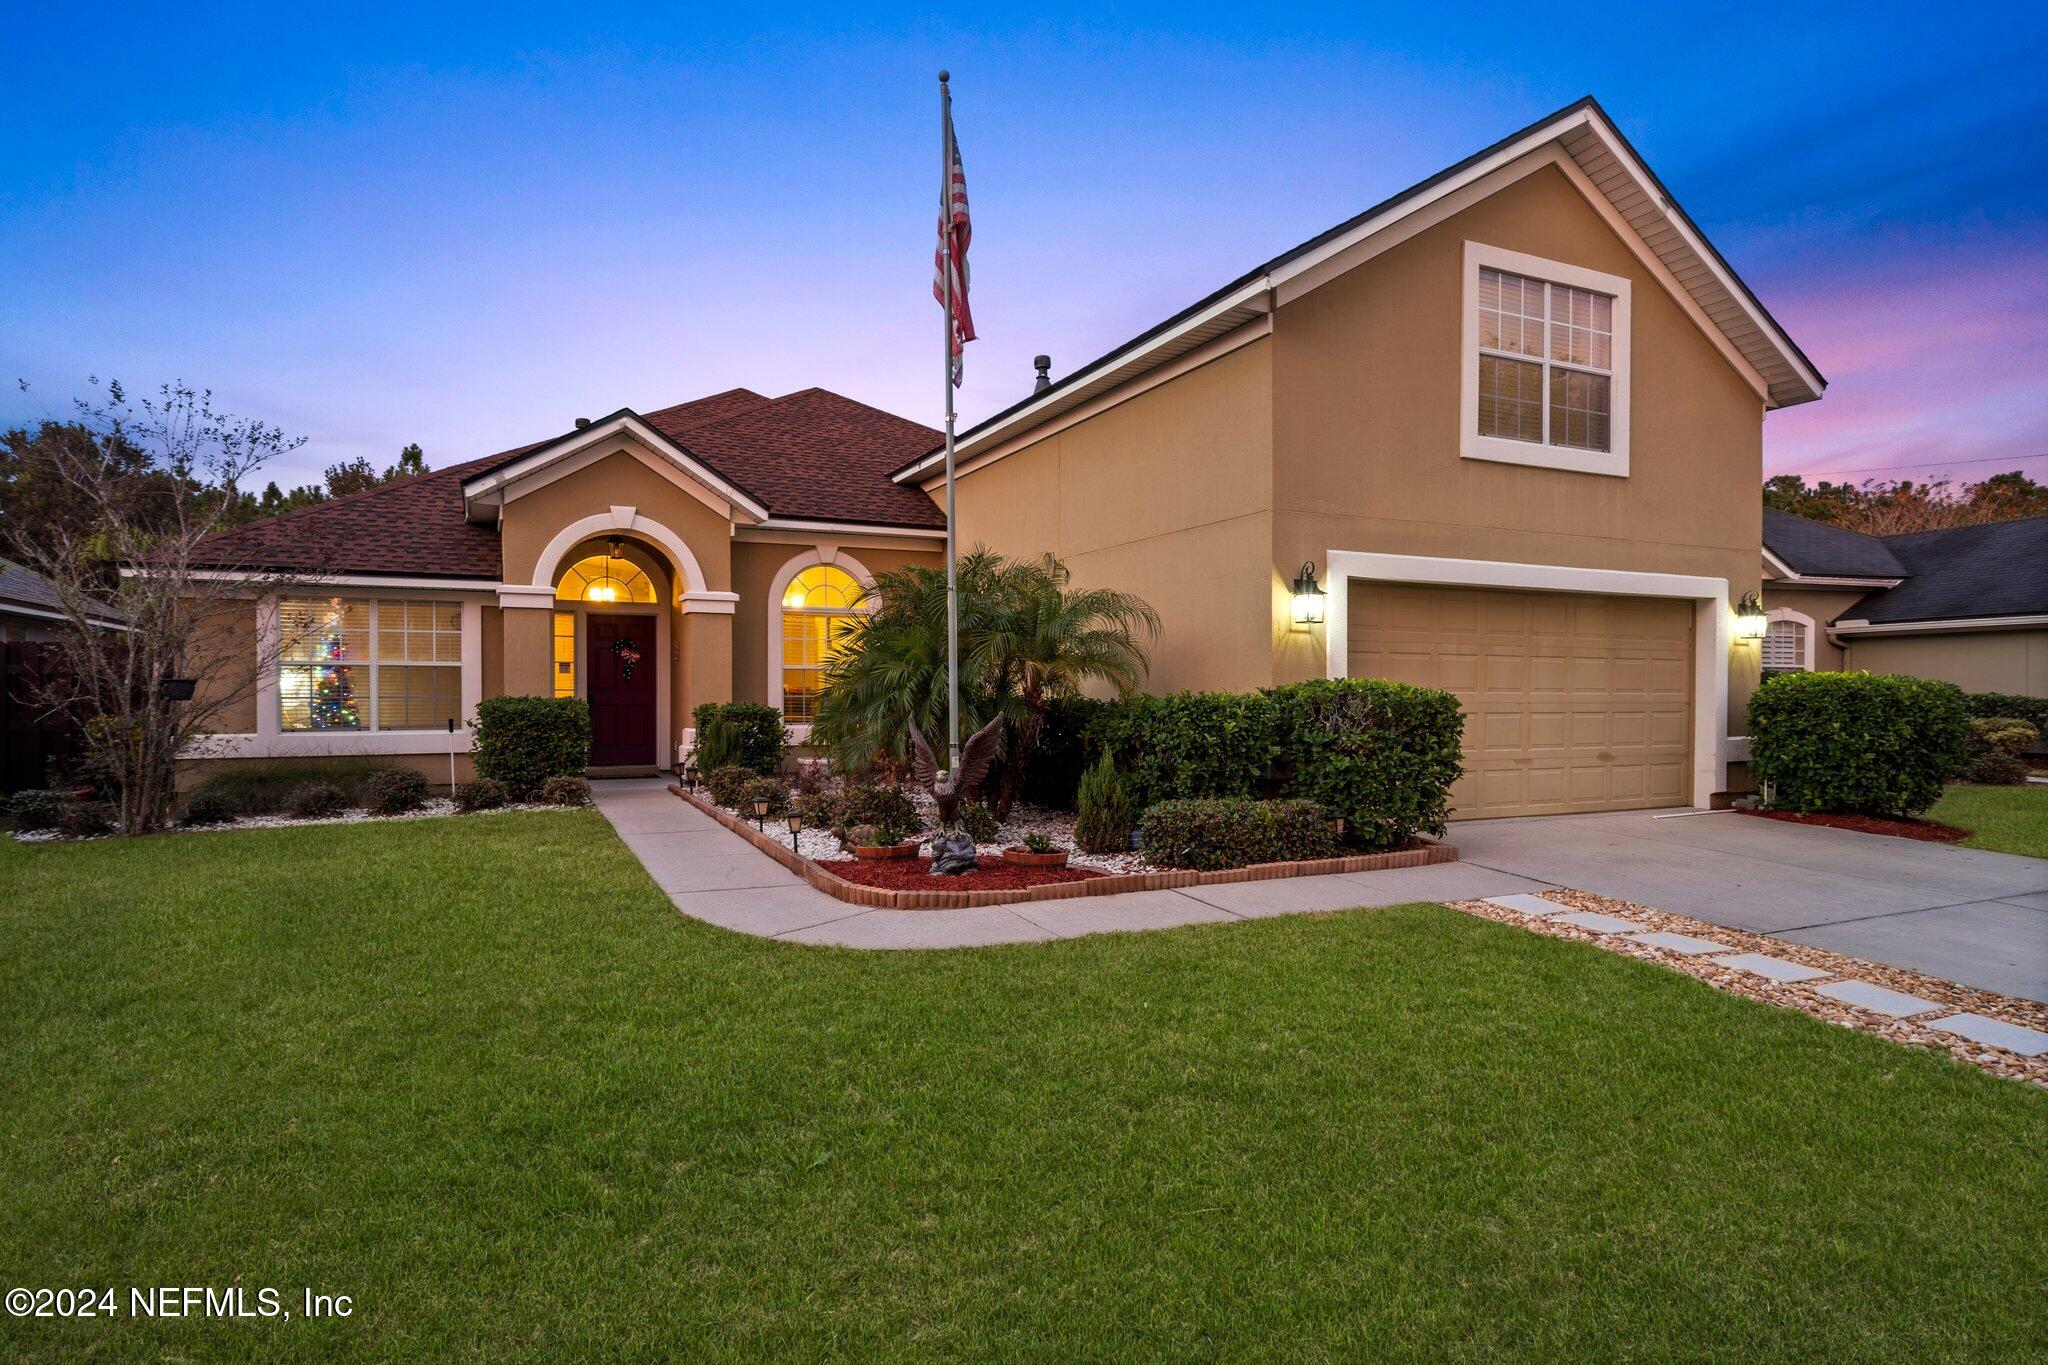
{"x": 481, "y": 1076}
{"x": 1976, "y": 918}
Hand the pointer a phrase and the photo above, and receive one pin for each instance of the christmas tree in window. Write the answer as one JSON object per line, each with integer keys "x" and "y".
{"x": 334, "y": 691}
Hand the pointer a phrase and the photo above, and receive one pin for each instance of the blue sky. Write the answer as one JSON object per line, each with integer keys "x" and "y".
{"x": 468, "y": 227}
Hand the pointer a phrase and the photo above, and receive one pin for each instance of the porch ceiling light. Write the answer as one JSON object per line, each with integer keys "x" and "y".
{"x": 1749, "y": 618}
{"x": 1308, "y": 597}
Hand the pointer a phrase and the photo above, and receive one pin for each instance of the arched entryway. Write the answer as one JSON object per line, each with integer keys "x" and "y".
{"x": 614, "y": 600}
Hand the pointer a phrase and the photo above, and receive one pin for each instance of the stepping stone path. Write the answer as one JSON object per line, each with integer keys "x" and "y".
{"x": 1684, "y": 944}
{"x": 1527, "y": 905}
{"x": 1771, "y": 968}
{"x": 1877, "y": 999}
{"x": 2028, "y": 1042}
{"x": 1595, "y": 922}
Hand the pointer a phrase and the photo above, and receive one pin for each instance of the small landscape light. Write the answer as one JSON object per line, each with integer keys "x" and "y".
{"x": 796, "y": 825}
{"x": 761, "y": 813}
{"x": 1749, "y": 618}
{"x": 1308, "y": 597}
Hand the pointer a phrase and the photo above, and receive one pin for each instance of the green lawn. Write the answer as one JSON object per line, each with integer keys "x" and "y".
{"x": 2004, "y": 819}
{"x": 480, "y": 1076}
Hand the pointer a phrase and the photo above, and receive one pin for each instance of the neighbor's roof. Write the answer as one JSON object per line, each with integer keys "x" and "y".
{"x": 1962, "y": 573}
{"x": 24, "y": 591}
{"x": 809, "y": 455}
{"x": 1814, "y": 549}
{"x": 1595, "y": 145}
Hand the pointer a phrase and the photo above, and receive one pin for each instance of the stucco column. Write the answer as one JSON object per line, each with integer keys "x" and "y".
{"x": 529, "y": 632}
{"x": 703, "y": 669}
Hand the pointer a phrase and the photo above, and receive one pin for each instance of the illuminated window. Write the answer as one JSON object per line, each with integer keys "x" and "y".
{"x": 605, "y": 578}
{"x": 565, "y": 653}
{"x": 350, "y": 664}
{"x": 816, "y": 606}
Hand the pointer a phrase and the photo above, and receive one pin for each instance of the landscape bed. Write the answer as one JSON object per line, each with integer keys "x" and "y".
{"x": 1421, "y": 854}
{"x": 1927, "y": 831}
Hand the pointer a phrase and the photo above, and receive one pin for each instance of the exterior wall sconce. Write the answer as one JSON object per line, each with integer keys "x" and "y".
{"x": 1308, "y": 597}
{"x": 1749, "y": 618}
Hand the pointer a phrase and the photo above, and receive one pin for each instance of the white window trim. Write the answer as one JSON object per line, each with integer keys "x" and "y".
{"x": 1713, "y": 626}
{"x": 373, "y": 665}
{"x": 1802, "y": 620}
{"x": 808, "y": 559}
{"x": 1501, "y": 449}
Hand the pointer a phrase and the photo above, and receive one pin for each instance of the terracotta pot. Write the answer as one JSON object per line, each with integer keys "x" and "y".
{"x": 1019, "y": 856}
{"x": 888, "y": 852}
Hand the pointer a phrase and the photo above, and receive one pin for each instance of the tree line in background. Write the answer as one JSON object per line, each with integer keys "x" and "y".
{"x": 46, "y": 471}
{"x": 1877, "y": 508}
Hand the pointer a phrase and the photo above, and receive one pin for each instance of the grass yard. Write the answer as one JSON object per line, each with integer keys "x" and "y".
{"x": 2003, "y": 819}
{"x": 481, "y": 1077}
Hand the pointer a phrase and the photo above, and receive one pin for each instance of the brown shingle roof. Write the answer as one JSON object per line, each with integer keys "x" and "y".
{"x": 811, "y": 454}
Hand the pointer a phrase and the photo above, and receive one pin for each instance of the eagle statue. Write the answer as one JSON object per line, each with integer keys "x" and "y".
{"x": 953, "y": 850}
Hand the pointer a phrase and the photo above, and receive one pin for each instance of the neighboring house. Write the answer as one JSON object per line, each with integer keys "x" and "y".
{"x": 1968, "y": 604}
{"x": 30, "y": 609}
{"x": 1511, "y": 418}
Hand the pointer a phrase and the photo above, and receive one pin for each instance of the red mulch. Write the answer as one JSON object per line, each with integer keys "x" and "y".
{"x": 1928, "y": 830}
{"x": 915, "y": 874}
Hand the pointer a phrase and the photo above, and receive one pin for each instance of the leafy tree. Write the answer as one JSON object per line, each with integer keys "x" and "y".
{"x": 1027, "y": 639}
{"x": 351, "y": 476}
{"x": 1878, "y": 508}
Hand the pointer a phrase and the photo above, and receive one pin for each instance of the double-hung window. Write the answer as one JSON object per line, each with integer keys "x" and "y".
{"x": 1546, "y": 363}
{"x": 360, "y": 664}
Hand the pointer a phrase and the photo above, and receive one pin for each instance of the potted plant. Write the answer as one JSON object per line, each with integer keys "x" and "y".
{"x": 1035, "y": 851}
{"x": 874, "y": 842}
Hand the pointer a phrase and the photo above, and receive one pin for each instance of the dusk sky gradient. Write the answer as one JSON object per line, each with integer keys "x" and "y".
{"x": 467, "y": 228}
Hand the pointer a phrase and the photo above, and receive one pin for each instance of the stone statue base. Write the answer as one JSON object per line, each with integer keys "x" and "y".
{"x": 953, "y": 854}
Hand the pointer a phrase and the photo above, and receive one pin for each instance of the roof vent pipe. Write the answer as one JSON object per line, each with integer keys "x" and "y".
{"x": 1043, "y": 364}
{"x": 582, "y": 422}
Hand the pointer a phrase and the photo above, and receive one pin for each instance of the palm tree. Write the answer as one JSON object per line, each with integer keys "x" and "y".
{"x": 1027, "y": 638}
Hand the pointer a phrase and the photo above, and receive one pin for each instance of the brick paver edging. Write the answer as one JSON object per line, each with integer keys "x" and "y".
{"x": 883, "y": 898}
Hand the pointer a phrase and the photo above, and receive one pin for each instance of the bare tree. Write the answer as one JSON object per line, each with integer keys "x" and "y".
{"x": 181, "y": 609}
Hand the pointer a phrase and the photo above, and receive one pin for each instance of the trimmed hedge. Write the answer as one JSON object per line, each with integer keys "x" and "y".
{"x": 2032, "y": 710}
{"x": 1856, "y": 742}
{"x": 728, "y": 784}
{"x": 1190, "y": 745}
{"x": 395, "y": 791}
{"x": 748, "y": 733}
{"x": 480, "y": 794}
{"x": 1066, "y": 747}
{"x": 563, "y": 790}
{"x": 1210, "y": 836}
{"x": 1381, "y": 754}
{"x": 1995, "y": 746}
{"x": 521, "y": 742}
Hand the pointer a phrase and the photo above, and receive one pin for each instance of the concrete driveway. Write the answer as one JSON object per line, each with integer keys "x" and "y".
{"x": 1980, "y": 919}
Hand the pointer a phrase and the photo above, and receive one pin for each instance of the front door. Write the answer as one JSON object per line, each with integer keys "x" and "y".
{"x": 622, "y": 701}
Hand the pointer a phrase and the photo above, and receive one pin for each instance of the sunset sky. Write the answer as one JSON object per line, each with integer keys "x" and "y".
{"x": 468, "y": 228}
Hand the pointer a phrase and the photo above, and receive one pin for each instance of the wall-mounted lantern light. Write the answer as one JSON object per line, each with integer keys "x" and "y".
{"x": 1308, "y": 597}
{"x": 1749, "y": 618}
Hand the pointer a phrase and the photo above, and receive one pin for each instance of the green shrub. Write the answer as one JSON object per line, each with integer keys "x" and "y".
{"x": 727, "y": 784}
{"x": 86, "y": 819}
{"x": 819, "y": 810}
{"x": 207, "y": 808}
{"x": 980, "y": 823}
{"x": 395, "y": 791}
{"x": 1383, "y": 755}
{"x": 1192, "y": 744}
{"x": 317, "y": 801}
{"x": 524, "y": 741}
{"x": 1856, "y": 742}
{"x": 744, "y": 732}
{"x": 773, "y": 790}
{"x": 1994, "y": 747}
{"x": 1071, "y": 734}
{"x": 563, "y": 789}
{"x": 889, "y": 807}
{"x": 480, "y": 794}
{"x": 1234, "y": 832}
{"x": 1107, "y": 809}
{"x": 259, "y": 788}
{"x": 2032, "y": 710}
{"x": 37, "y": 808}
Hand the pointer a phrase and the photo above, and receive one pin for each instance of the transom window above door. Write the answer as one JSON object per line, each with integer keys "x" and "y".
{"x": 1546, "y": 363}
{"x": 603, "y": 578}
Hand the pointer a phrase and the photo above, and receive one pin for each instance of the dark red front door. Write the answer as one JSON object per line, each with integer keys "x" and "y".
{"x": 621, "y": 690}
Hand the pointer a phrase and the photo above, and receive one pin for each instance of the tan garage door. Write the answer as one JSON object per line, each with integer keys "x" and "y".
{"x": 1572, "y": 702}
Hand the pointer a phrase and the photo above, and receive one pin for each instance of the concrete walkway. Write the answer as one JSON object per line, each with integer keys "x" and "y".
{"x": 714, "y": 875}
{"x": 1979, "y": 919}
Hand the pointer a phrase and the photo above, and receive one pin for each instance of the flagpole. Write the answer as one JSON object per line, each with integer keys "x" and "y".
{"x": 952, "y": 556}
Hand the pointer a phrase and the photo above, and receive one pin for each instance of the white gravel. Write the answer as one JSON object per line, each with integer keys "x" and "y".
{"x": 1058, "y": 826}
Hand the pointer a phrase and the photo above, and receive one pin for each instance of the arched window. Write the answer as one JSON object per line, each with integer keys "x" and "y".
{"x": 605, "y": 578}
{"x": 814, "y": 606}
{"x": 1785, "y": 643}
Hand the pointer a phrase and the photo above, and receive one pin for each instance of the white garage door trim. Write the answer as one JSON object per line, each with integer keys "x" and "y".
{"x": 1711, "y": 625}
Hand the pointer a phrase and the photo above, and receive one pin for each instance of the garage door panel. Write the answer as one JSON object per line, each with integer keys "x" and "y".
{"x": 1572, "y": 702}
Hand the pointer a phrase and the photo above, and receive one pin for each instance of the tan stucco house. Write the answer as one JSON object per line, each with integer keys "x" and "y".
{"x": 1511, "y": 419}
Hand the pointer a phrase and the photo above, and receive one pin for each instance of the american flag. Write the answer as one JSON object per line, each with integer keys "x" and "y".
{"x": 954, "y": 231}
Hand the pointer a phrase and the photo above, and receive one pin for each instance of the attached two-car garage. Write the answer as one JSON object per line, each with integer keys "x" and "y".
{"x": 1573, "y": 701}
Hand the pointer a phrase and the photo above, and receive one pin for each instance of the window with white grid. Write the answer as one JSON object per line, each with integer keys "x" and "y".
{"x": 1546, "y": 365}
{"x": 357, "y": 664}
{"x": 1785, "y": 646}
